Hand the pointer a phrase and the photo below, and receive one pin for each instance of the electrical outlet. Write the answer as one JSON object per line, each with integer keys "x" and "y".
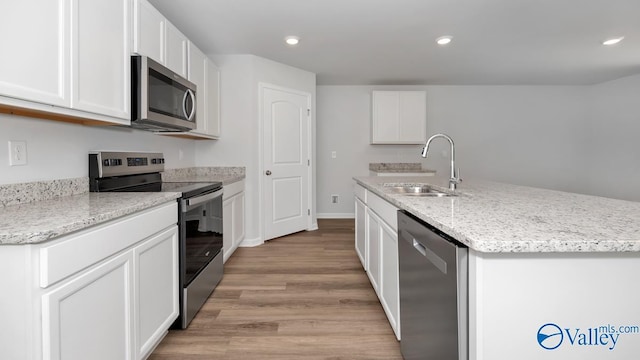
{"x": 17, "y": 153}
{"x": 334, "y": 199}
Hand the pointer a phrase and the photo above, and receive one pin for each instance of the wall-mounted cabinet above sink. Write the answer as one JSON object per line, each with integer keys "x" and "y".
{"x": 398, "y": 117}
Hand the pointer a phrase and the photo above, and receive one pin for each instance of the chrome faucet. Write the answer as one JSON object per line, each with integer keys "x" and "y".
{"x": 455, "y": 174}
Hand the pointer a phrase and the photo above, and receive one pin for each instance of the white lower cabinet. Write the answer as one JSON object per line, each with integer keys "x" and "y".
{"x": 361, "y": 226}
{"x": 106, "y": 292}
{"x": 389, "y": 290}
{"x": 373, "y": 252}
{"x": 156, "y": 302}
{"x": 376, "y": 243}
{"x": 90, "y": 316}
{"x": 233, "y": 218}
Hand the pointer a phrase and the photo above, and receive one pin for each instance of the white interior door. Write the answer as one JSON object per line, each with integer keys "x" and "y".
{"x": 286, "y": 118}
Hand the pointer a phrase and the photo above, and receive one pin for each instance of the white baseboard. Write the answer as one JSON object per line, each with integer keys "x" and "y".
{"x": 251, "y": 242}
{"x": 337, "y": 216}
{"x": 313, "y": 227}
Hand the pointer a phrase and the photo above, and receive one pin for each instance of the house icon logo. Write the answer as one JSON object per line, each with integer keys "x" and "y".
{"x": 550, "y": 336}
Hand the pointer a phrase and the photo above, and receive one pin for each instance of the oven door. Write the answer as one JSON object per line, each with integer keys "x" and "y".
{"x": 201, "y": 225}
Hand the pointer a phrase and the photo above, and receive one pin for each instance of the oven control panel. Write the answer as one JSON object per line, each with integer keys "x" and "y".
{"x": 115, "y": 163}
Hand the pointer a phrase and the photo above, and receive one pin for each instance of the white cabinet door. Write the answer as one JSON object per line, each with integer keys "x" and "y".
{"x": 212, "y": 96}
{"x": 413, "y": 117}
{"x": 90, "y": 316}
{"x": 390, "y": 291}
{"x": 176, "y": 50}
{"x": 233, "y": 223}
{"x": 398, "y": 117}
{"x": 227, "y": 228}
{"x": 149, "y": 31}
{"x": 361, "y": 232}
{"x": 101, "y": 57}
{"x": 385, "y": 116}
{"x": 373, "y": 251}
{"x": 238, "y": 219}
{"x": 205, "y": 74}
{"x": 156, "y": 291}
{"x": 197, "y": 76}
{"x": 35, "y": 63}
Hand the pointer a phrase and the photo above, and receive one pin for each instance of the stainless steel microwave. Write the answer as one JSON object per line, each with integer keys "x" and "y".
{"x": 161, "y": 100}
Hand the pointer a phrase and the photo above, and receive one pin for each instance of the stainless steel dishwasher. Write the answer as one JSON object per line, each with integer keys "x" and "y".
{"x": 433, "y": 292}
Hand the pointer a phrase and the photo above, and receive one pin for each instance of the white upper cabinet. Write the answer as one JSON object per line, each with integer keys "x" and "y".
{"x": 101, "y": 57}
{"x": 398, "y": 117}
{"x": 35, "y": 62}
{"x": 176, "y": 50}
{"x": 154, "y": 36}
{"x": 73, "y": 54}
{"x": 149, "y": 31}
{"x": 212, "y": 94}
{"x": 197, "y": 76}
{"x": 205, "y": 74}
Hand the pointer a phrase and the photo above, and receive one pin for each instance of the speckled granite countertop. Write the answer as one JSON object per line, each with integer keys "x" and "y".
{"x": 43, "y": 220}
{"x": 38, "y": 211}
{"x": 226, "y": 175}
{"x": 495, "y": 217}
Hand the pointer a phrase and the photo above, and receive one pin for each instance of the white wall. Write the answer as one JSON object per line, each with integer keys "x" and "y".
{"x": 57, "y": 150}
{"x": 239, "y": 144}
{"x": 527, "y": 135}
{"x": 613, "y": 152}
{"x": 571, "y": 138}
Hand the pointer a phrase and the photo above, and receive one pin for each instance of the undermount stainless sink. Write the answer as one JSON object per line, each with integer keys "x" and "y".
{"x": 417, "y": 190}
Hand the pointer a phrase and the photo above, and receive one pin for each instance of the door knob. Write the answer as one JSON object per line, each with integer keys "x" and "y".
{"x": 268, "y": 172}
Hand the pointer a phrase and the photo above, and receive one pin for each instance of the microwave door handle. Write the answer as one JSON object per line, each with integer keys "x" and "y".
{"x": 189, "y": 93}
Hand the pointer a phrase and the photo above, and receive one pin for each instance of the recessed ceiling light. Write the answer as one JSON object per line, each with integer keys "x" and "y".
{"x": 292, "y": 40}
{"x": 444, "y": 40}
{"x": 612, "y": 41}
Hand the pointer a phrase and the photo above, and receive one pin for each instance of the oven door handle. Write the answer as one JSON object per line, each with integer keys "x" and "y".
{"x": 197, "y": 200}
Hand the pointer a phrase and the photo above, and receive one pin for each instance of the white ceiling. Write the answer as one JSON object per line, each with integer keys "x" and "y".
{"x": 378, "y": 42}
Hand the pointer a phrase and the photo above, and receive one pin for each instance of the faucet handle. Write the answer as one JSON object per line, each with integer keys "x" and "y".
{"x": 456, "y": 176}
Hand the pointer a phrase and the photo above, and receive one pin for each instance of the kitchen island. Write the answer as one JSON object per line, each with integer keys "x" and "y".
{"x": 552, "y": 275}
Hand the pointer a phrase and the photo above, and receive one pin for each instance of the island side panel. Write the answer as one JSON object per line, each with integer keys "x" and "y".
{"x": 555, "y": 306}
{"x": 19, "y": 304}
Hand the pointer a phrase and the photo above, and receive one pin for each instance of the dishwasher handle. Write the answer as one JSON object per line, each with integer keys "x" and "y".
{"x": 436, "y": 260}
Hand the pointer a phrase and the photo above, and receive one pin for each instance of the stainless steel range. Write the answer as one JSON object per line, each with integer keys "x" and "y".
{"x": 199, "y": 219}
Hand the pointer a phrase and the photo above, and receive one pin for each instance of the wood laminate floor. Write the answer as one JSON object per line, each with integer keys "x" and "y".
{"x": 303, "y": 296}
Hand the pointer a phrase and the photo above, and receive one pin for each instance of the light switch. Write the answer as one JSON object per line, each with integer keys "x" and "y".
{"x": 333, "y": 155}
